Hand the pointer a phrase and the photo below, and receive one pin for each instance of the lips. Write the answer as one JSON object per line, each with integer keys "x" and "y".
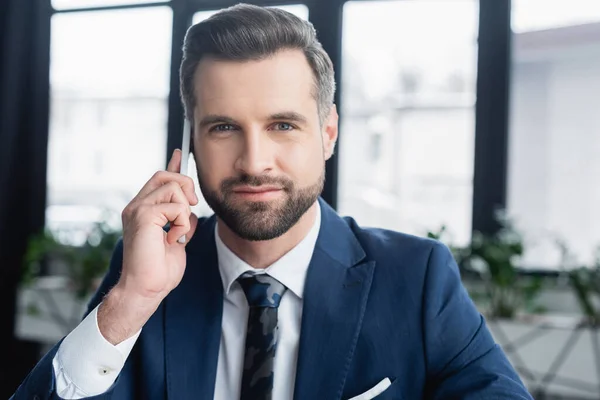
{"x": 255, "y": 189}
{"x": 257, "y": 193}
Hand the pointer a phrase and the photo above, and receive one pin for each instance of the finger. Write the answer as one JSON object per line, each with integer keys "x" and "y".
{"x": 193, "y": 226}
{"x": 179, "y": 217}
{"x": 185, "y": 239}
{"x": 175, "y": 161}
{"x": 168, "y": 193}
{"x": 161, "y": 178}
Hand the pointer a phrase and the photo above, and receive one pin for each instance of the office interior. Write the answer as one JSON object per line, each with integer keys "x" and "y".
{"x": 473, "y": 122}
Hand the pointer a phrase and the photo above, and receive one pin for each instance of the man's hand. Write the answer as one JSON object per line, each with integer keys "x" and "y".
{"x": 153, "y": 260}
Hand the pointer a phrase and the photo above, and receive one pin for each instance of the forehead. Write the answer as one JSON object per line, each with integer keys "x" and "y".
{"x": 284, "y": 80}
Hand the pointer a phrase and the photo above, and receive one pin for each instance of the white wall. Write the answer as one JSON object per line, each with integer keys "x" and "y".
{"x": 554, "y": 162}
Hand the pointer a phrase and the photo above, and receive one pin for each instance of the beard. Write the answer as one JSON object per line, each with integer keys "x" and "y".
{"x": 261, "y": 220}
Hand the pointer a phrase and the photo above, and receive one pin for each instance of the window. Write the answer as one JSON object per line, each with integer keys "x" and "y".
{"x": 66, "y": 4}
{"x": 109, "y": 78}
{"x": 554, "y": 123}
{"x": 407, "y": 134}
{"x": 300, "y": 10}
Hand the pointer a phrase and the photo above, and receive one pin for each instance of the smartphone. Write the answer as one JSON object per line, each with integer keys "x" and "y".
{"x": 185, "y": 147}
{"x": 185, "y": 156}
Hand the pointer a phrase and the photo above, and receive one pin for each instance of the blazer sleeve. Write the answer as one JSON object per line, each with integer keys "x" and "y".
{"x": 39, "y": 383}
{"x": 463, "y": 360}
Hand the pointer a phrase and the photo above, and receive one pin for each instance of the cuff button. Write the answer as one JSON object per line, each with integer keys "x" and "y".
{"x": 104, "y": 370}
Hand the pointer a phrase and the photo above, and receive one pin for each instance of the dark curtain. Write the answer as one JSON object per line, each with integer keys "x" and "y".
{"x": 24, "y": 105}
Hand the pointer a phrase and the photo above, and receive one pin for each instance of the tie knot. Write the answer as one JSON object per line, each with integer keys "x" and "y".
{"x": 262, "y": 290}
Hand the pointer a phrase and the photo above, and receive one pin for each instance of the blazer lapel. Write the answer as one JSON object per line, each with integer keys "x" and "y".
{"x": 193, "y": 313}
{"x": 335, "y": 297}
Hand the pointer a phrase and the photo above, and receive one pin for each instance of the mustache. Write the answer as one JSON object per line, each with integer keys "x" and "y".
{"x": 256, "y": 180}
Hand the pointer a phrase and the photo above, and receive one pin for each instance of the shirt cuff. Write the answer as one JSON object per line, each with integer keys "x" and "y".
{"x": 88, "y": 361}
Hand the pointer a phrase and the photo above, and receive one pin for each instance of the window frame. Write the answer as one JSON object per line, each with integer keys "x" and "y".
{"x": 492, "y": 90}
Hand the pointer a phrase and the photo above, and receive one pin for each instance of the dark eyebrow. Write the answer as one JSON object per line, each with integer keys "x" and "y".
{"x": 216, "y": 119}
{"x": 221, "y": 119}
{"x": 289, "y": 116}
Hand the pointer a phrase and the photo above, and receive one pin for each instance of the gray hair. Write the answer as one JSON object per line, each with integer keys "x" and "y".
{"x": 245, "y": 32}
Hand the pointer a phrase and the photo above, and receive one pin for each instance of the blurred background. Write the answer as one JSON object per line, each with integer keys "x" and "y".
{"x": 474, "y": 122}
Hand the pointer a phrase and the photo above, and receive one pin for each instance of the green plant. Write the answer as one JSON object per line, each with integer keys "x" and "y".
{"x": 501, "y": 290}
{"x": 459, "y": 253}
{"x": 585, "y": 283}
{"x": 39, "y": 249}
{"x": 93, "y": 258}
{"x": 84, "y": 264}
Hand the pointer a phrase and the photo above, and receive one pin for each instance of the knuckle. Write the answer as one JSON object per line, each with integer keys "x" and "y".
{"x": 157, "y": 175}
{"x": 176, "y": 189}
{"x": 185, "y": 212}
{"x": 127, "y": 212}
{"x": 173, "y": 185}
{"x": 141, "y": 211}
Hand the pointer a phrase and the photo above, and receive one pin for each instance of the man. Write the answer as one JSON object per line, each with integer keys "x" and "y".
{"x": 276, "y": 296}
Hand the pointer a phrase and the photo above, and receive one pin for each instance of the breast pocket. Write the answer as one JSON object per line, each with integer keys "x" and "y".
{"x": 386, "y": 389}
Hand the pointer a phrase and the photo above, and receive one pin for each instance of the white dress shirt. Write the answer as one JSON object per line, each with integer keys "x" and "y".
{"x": 86, "y": 364}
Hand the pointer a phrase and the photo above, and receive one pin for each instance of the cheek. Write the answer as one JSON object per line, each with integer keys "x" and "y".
{"x": 214, "y": 164}
{"x": 303, "y": 163}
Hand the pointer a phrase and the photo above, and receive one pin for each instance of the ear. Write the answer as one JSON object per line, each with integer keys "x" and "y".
{"x": 330, "y": 132}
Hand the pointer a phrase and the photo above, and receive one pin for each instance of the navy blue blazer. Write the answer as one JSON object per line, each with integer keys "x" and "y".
{"x": 377, "y": 304}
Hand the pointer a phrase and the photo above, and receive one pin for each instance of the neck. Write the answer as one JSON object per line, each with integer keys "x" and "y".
{"x": 261, "y": 254}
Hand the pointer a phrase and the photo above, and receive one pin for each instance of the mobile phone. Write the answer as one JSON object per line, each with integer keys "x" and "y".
{"x": 185, "y": 156}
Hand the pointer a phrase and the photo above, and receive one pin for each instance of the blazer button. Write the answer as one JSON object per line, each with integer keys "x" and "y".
{"x": 36, "y": 397}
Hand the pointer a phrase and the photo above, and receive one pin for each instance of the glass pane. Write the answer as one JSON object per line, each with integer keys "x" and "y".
{"x": 554, "y": 124}
{"x": 530, "y": 15}
{"x": 300, "y": 10}
{"x": 108, "y": 121}
{"x": 407, "y": 133}
{"x": 66, "y": 4}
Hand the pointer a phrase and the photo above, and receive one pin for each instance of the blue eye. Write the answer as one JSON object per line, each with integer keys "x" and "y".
{"x": 283, "y": 126}
{"x": 222, "y": 128}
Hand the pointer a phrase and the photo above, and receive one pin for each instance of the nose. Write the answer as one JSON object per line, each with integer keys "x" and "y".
{"x": 256, "y": 156}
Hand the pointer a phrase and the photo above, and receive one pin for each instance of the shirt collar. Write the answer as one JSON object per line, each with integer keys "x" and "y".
{"x": 290, "y": 269}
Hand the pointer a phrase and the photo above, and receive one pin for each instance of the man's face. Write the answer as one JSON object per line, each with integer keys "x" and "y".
{"x": 258, "y": 142}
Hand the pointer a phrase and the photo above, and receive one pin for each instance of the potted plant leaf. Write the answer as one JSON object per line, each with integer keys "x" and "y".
{"x": 491, "y": 263}
{"x": 58, "y": 278}
{"x": 585, "y": 283}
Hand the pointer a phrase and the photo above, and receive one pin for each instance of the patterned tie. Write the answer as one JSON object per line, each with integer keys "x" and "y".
{"x": 263, "y": 294}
